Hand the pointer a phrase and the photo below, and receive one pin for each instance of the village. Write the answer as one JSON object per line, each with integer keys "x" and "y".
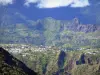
{"x": 20, "y": 48}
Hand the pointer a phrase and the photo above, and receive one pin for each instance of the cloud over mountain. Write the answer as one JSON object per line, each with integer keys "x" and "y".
{"x": 6, "y": 2}
{"x": 57, "y": 3}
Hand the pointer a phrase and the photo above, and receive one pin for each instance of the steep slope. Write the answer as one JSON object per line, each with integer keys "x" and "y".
{"x": 11, "y": 66}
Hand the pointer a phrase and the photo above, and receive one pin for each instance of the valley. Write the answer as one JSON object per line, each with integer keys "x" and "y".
{"x": 49, "y": 37}
{"x": 54, "y": 47}
{"x": 52, "y": 61}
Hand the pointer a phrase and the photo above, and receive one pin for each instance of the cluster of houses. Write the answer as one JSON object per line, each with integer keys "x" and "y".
{"x": 19, "y": 48}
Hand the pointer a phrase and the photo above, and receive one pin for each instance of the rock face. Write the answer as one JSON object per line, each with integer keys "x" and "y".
{"x": 75, "y": 25}
{"x": 88, "y": 59}
{"x": 61, "y": 59}
{"x": 11, "y": 66}
{"x": 81, "y": 60}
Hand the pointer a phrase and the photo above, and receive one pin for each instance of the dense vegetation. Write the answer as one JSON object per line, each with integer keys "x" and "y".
{"x": 52, "y": 61}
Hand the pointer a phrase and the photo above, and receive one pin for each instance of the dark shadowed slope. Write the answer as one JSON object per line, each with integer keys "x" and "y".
{"x": 11, "y": 66}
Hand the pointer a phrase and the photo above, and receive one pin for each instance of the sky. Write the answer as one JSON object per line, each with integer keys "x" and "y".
{"x": 58, "y": 9}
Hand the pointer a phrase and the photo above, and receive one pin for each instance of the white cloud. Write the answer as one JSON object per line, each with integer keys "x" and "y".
{"x": 6, "y": 2}
{"x": 58, "y": 3}
{"x": 81, "y": 3}
{"x": 27, "y": 2}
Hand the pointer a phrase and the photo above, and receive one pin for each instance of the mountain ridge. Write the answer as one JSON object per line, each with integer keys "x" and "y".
{"x": 49, "y": 31}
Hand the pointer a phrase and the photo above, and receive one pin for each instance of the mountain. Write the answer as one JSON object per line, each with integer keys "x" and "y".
{"x": 9, "y": 65}
{"x": 52, "y": 61}
{"x": 16, "y": 28}
{"x": 65, "y": 34}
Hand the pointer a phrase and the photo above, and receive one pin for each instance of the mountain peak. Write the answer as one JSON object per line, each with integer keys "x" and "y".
{"x": 76, "y": 21}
